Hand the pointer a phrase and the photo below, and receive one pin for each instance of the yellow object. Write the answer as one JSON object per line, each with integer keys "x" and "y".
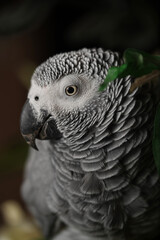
{"x": 18, "y": 225}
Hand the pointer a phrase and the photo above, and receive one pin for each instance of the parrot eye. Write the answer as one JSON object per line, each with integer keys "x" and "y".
{"x": 36, "y": 98}
{"x": 71, "y": 90}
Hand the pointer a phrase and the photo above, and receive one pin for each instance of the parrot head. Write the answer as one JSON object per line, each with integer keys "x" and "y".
{"x": 65, "y": 89}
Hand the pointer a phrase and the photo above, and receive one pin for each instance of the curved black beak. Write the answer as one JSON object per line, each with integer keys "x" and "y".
{"x": 32, "y": 128}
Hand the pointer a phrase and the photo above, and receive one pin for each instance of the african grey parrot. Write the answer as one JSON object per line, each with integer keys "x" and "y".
{"x": 94, "y": 176}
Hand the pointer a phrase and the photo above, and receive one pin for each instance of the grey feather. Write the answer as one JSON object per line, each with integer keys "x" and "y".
{"x": 99, "y": 179}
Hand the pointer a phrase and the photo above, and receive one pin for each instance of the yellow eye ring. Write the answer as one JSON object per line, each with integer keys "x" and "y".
{"x": 71, "y": 90}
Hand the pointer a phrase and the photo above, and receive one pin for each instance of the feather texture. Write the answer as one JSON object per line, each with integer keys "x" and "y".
{"x": 99, "y": 179}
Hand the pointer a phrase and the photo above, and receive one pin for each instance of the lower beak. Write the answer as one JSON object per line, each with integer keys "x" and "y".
{"x": 31, "y": 128}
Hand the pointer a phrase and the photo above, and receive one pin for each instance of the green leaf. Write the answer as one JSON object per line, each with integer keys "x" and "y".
{"x": 136, "y": 63}
{"x": 113, "y": 73}
{"x": 156, "y": 139}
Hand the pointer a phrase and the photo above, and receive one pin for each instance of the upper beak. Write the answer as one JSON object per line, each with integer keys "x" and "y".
{"x": 31, "y": 128}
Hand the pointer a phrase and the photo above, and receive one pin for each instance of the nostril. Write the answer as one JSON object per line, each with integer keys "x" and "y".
{"x": 36, "y": 98}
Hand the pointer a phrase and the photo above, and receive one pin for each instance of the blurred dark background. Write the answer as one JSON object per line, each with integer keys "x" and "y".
{"x": 32, "y": 31}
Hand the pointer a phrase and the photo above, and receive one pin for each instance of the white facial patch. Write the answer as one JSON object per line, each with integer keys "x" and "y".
{"x": 86, "y": 89}
{"x": 54, "y": 96}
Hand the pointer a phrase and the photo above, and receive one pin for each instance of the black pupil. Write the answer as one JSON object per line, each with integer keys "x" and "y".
{"x": 70, "y": 90}
{"x": 36, "y": 98}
